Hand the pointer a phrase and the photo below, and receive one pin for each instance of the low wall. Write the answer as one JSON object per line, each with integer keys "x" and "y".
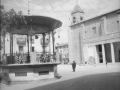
{"x": 29, "y": 72}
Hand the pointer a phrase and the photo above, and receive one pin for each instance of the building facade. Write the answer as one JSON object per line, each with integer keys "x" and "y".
{"x": 62, "y": 50}
{"x": 97, "y": 37}
{"x": 20, "y": 44}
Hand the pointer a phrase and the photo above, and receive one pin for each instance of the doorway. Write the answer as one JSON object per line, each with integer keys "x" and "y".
{"x": 99, "y": 51}
{"x": 33, "y": 49}
{"x": 108, "y": 52}
{"x": 117, "y": 51}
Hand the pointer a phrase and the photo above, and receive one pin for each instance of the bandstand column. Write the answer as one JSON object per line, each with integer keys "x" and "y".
{"x": 43, "y": 42}
{"x": 103, "y": 53}
{"x": 12, "y": 49}
{"x": 112, "y": 53}
{"x": 28, "y": 57}
{"x": 30, "y": 43}
{"x": 49, "y": 42}
{"x": 53, "y": 44}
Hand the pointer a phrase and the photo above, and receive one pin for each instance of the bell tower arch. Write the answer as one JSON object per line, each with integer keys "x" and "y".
{"x": 77, "y": 14}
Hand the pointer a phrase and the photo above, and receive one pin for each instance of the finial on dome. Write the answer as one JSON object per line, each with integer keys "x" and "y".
{"x": 77, "y": 2}
{"x": 28, "y": 8}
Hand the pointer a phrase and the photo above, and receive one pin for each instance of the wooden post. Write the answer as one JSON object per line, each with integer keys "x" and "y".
{"x": 30, "y": 43}
{"x": 49, "y": 43}
{"x": 53, "y": 45}
{"x": 0, "y": 44}
{"x": 4, "y": 43}
{"x": 28, "y": 57}
{"x": 12, "y": 49}
{"x": 43, "y": 42}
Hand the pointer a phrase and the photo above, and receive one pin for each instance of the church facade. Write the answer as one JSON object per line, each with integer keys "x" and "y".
{"x": 97, "y": 37}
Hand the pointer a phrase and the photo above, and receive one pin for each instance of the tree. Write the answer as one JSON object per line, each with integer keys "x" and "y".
{"x": 8, "y": 20}
{"x": 1, "y": 19}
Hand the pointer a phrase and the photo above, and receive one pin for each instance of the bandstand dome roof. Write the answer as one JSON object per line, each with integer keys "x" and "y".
{"x": 39, "y": 24}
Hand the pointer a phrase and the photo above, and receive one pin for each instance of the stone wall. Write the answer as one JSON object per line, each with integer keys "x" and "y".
{"x": 84, "y": 36}
{"x": 74, "y": 44}
{"x": 107, "y": 27}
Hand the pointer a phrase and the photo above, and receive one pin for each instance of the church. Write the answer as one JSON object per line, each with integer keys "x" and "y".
{"x": 97, "y": 37}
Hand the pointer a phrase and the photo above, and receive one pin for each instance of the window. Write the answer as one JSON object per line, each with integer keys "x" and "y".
{"x": 74, "y": 19}
{"x": 94, "y": 30}
{"x": 43, "y": 73}
{"x": 33, "y": 49}
{"x": 19, "y": 74}
{"x": 81, "y": 18}
{"x": 118, "y": 24}
{"x": 20, "y": 48}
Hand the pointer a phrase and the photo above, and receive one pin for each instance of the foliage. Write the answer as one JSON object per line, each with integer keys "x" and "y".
{"x": 10, "y": 19}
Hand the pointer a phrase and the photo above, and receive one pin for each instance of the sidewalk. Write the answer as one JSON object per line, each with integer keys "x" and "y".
{"x": 65, "y": 73}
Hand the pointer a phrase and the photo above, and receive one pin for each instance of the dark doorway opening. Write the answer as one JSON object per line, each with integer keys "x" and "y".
{"x": 99, "y": 49}
{"x": 108, "y": 52}
{"x": 33, "y": 49}
{"x": 117, "y": 51}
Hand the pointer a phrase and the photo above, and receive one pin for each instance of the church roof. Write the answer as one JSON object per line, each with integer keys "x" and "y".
{"x": 77, "y": 9}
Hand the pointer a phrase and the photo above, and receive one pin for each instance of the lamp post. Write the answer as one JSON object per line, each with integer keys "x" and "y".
{"x": 31, "y": 32}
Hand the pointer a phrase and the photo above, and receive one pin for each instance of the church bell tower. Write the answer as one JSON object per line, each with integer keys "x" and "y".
{"x": 77, "y": 14}
{"x": 75, "y": 35}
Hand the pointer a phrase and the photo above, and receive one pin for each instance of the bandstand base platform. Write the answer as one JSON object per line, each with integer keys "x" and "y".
{"x": 29, "y": 72}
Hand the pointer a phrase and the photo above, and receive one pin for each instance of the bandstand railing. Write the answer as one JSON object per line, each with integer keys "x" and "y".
{"x": 21, "y": 58}
{"x": 44, "y": 58}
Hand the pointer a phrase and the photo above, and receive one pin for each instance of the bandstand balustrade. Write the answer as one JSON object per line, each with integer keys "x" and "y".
{"x": 21, "y": 58}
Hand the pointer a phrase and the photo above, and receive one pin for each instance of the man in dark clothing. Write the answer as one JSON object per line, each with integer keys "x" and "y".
{"x": 73, "y": 66}
{"x": 106, "y": 63}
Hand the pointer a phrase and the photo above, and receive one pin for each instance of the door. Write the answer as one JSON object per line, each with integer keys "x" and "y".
{"x": 33, "y": 49}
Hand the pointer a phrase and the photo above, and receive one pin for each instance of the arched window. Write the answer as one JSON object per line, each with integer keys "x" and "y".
{"x": 81, "y": 18}
{"x": 74, "y": 19}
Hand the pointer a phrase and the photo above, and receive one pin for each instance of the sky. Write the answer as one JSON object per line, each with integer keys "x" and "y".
{"x": 61, "y": 10}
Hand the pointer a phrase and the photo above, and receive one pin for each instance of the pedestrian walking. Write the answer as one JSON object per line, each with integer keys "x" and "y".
{"x": 106, "y": 63}
{"x": 73, "y": 66}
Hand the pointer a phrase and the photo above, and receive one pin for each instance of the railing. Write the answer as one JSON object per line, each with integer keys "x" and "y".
{"x": 21, "y": 58}
{"x": 43, "y": 58}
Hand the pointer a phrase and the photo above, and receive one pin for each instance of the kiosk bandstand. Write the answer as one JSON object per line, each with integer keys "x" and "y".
{"x": 31, "y": 66}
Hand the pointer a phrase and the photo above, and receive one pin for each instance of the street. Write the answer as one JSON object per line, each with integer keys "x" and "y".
{"x": 85, "y": 78}
{"x": 109, "y": 81}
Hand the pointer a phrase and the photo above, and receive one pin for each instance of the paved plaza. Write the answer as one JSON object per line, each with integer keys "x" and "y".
{"x": 85, "y": 78}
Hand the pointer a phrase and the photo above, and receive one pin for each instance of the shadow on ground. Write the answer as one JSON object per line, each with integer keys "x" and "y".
{"x": 106, "y": 81}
